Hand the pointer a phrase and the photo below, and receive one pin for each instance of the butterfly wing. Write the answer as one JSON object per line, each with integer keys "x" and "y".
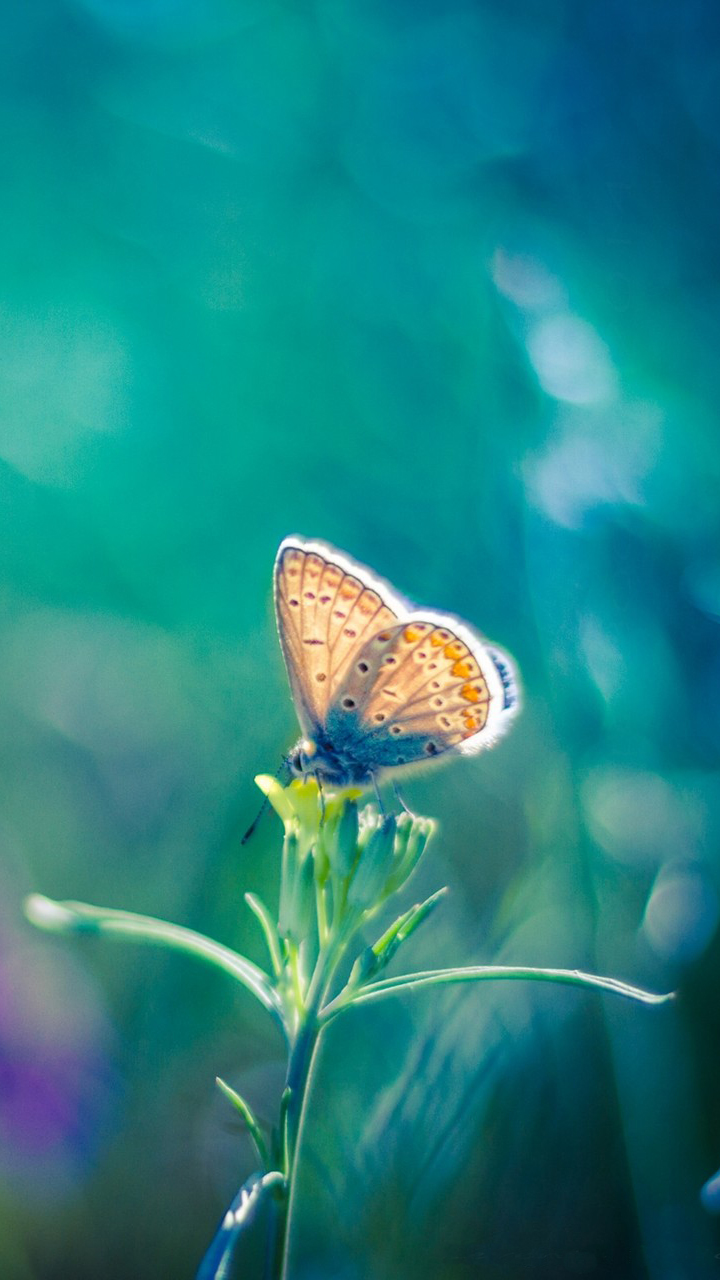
{"x": 424, "y": 686}
{"x": 327, "y": 607}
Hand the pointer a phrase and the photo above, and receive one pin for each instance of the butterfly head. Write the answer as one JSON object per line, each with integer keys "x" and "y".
{"x": 329, "y": 762}
{"x": 300, "y": 760}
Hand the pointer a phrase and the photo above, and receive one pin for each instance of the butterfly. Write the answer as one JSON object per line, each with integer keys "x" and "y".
{"x": 379, "y": 686}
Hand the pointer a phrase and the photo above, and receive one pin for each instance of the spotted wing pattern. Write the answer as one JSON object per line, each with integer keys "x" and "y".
{"x": 422, "y": 685}
{"x": 327, "y": 608}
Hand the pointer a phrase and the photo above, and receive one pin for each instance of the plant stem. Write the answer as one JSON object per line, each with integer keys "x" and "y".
{"x": 300, "y": 1063}
{"x": 298, "y": 1079}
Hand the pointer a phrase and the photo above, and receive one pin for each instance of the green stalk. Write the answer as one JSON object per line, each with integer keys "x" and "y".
{"x": 299, "y": 1077}
{"x": 297, "y": 1081}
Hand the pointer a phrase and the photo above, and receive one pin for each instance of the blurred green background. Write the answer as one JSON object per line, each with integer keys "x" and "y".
{"x": 437, "y": 282}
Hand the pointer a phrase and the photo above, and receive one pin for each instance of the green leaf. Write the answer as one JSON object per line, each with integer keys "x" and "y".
{"x": 375, "y": 958}
{"x": 245, "y": 1111}
{"x": 365, "y": 966}
{"x": 79, "y": 917}
{"x": 239, "y": 1219}
{"x": 487, "y": 973}
{"x": 417, "y": 915}
{"x": 258, "y": 908}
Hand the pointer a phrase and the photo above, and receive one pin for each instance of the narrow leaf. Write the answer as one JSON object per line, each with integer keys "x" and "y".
{"x": 258, "y": 908}
{"x": 418, "y": 914}
{"x": 488, "y": 973}
{"x": 79, "y": 917}
{"x": 248, "y": 1116}
{"x": 378, "y": 956}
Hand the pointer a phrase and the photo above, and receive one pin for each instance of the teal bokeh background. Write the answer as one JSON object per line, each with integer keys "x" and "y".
{"x": 437, "y": 283}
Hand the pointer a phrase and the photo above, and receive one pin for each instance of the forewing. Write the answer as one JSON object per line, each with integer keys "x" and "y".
{"x": 327, "y": 608}
{"x": 428, "y": 685}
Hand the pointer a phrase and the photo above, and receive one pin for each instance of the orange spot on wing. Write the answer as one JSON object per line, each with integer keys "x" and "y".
{"x": 455, "y": 649}
{"x": 368, "y": 602}
{"x": 411, "y": 634}
{"x": 437, "y": 640}
{"x": 462, "y": 670}
{"x": 474, "y": 721}
{"x": 470, "y": 693}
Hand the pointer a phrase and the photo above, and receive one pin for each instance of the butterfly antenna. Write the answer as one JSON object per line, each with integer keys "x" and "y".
{"x": 251, "y": 829}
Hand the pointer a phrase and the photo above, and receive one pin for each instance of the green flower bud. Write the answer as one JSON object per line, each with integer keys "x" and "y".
{"x": 303, "y": 921}
{"x": 368, "y": 820}
{"x": 297, "y": 894}
{"x": 367, "y": 885}
{"x": 322, "y": 862}
{"x": 339, "y": 835}
{"x": 288, "y": 878}
{"x": 415, "y": 835}
{"x": 304, "y": 796}
{"x": 405, "y": 825}
{"x": 343, "y": 853}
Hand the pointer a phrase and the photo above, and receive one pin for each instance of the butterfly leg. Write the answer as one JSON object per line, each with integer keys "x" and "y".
{"x": 322, "y": 797}
{"x": 378, "y": 797}
{"x": 401, "y": 802}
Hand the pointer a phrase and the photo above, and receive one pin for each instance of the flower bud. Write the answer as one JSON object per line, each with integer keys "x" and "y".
{"x": 303, "y": 921}
{"x": 344, "y": 850}
{"x": 366, "y": 887}
{"x": 288, "y": 878}
{"x": 409, "y": 850}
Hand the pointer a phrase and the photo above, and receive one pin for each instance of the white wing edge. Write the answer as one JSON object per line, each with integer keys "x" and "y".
{"x": 388, "y": 594}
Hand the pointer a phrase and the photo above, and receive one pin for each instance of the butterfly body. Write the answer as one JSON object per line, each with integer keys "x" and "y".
{"x": 379, "y": 686}
{"x": 343, "y": 754}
